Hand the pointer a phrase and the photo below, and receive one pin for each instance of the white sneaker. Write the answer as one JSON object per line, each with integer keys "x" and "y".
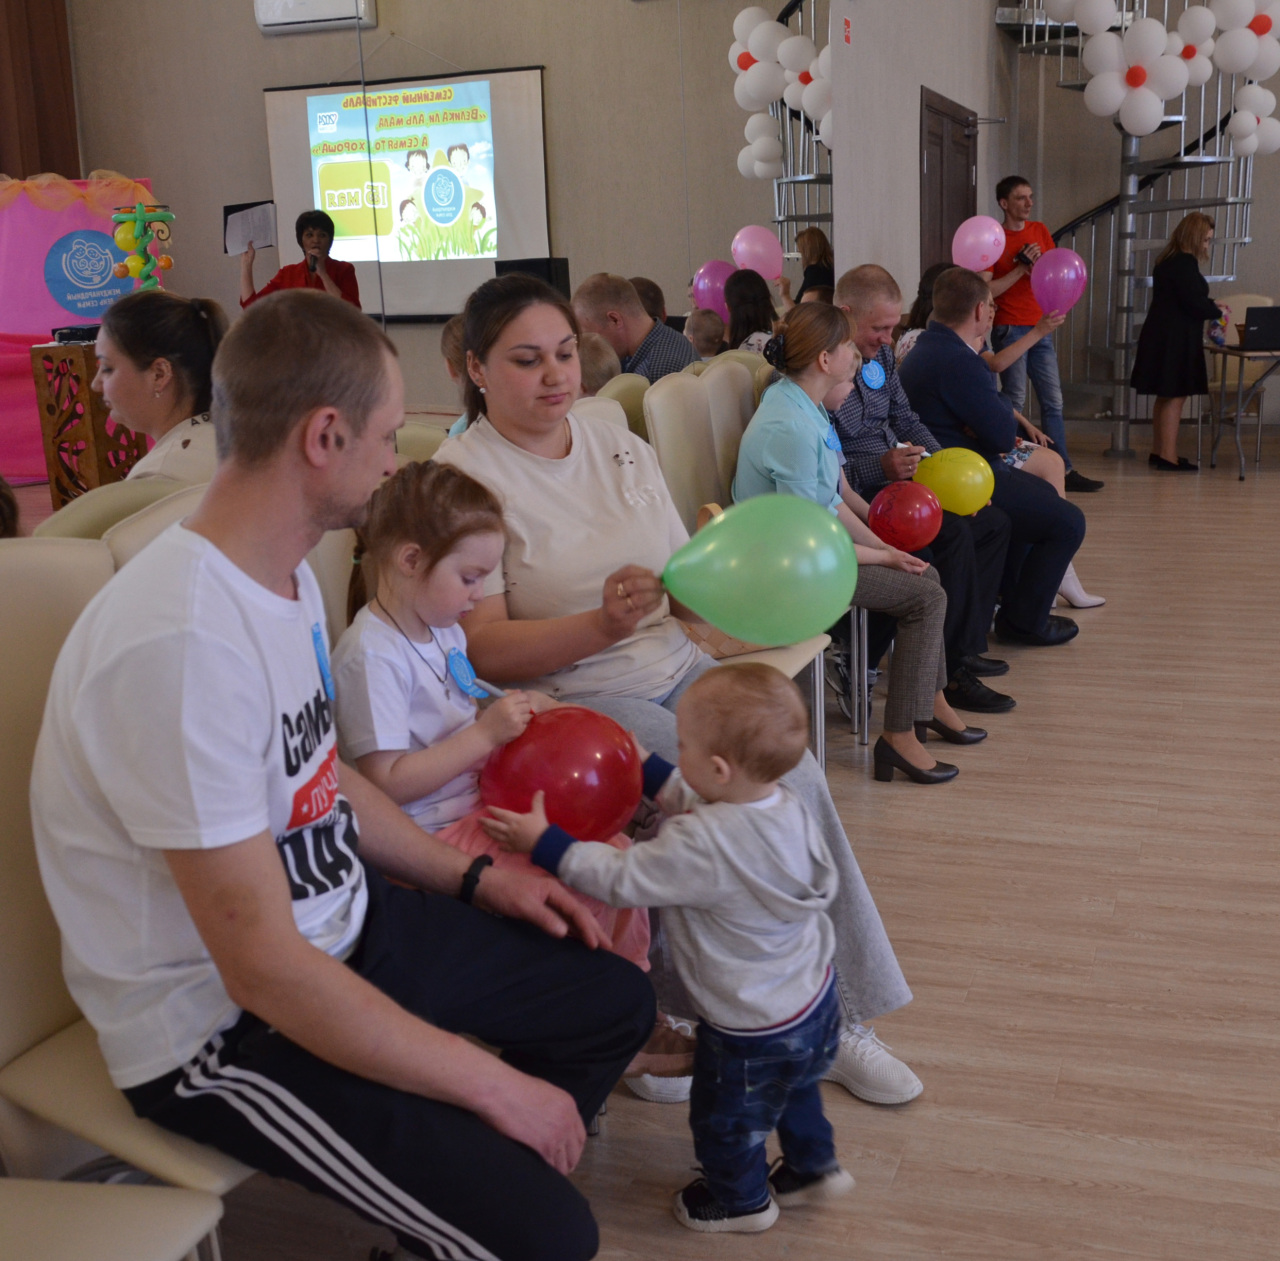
{"x": 666, "y": 1088}
{"x": 660, "y": 1089}
{"x": 791, "y": 1190}
{"x": 864, "y": 1067}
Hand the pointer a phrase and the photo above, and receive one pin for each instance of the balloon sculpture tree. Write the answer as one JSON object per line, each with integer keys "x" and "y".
{"x": 137, "y": 230}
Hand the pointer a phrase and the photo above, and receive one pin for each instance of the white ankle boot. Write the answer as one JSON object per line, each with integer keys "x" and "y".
{"x": 1074, "y": 594}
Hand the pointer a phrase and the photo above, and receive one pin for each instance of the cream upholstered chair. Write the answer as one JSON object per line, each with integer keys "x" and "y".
{"x": 628, "y": 388}
{"x": 50, "y": 1064}
{"x": 678, "y": 414}
{"x": 130, "y": 536}
{"x": 419, "y": 441}
{"x": 731, "y": 395}
{"x": 606, "y": 410}
{"x": 53, "y": 1221}
{"x": 697, "y": 367}
{"x": 765, "y": 376}
{"x": 91, "y": 515}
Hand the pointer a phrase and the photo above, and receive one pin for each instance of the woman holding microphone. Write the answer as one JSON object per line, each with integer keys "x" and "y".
{"x": 317, "y": 270}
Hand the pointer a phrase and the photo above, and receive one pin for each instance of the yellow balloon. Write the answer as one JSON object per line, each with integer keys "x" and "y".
{"x": 125, "y": 240}
{"x": 135, "y": 265}
{"x": 962, "y": 479}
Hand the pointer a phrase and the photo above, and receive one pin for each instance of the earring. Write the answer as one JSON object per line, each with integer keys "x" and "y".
{"x": 482, "y": 389}
{"x": 157, "y": 394}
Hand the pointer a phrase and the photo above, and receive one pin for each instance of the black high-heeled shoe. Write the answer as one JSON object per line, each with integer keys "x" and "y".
{"x": 887, "y": 759}
{"x": 966, "y": 735}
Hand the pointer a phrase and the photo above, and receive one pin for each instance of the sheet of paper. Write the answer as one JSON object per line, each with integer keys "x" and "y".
{"x": 257, "y": 224}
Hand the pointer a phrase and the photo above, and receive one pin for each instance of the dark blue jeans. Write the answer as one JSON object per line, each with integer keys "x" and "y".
{"x": 746, "y": 1087}
{"x": 1040, "y": 363}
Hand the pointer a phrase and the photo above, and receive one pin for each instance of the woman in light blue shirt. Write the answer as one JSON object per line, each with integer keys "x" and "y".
{"x": 790, "y": 448}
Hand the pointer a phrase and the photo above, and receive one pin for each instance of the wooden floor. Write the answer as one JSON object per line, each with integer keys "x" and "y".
{"x": 1090, "y": 919}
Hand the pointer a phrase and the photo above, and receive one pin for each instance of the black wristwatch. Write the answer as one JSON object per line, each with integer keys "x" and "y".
{"x": 472, "y": 878}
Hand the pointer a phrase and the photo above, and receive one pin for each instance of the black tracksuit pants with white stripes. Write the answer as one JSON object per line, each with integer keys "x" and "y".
{"x": 443, "y": 1180}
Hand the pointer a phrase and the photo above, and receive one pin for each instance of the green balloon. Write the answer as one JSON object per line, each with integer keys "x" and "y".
{"x": 772, "y": 570}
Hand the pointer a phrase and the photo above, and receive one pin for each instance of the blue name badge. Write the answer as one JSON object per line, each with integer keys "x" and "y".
{"x": 833, "y": 438}
{"x": 322, "y": 660}
{"x": 873, "y": 375}
{"x": 464, "y": 675}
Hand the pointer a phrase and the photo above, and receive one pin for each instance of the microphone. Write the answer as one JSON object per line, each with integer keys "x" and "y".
{"x": 311, "y": 262}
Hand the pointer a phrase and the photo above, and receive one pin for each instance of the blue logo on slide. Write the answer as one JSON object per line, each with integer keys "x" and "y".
{"x": 78, "y": 275}
{"x": 444, "y": 196}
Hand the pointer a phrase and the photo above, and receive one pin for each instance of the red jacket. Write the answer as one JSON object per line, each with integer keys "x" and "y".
{"x": 297, "y": 276}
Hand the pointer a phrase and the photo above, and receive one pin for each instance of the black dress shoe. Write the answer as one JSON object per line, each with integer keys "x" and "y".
{"x": 887, "y": 759}
{"x": 1082, "y": 485}
{"x": 966, "y": 735}
{"x": 985, "y": 667}
{"x": 966, "y": 692}
{"x": 1059, "y": 631}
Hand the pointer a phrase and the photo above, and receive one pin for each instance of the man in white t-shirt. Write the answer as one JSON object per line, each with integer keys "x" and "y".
{"x": 219, "y": 875}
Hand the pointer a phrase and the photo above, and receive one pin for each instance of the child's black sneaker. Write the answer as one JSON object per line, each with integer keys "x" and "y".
{"x": 791, "y": 1189}
{"x": 697, "y": 1208}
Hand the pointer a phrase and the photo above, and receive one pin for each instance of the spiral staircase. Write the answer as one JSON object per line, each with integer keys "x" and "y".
{"x": 1188, "y": 164}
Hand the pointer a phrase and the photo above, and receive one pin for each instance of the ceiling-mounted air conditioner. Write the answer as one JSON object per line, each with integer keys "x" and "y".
{"x": 290, "y": 17}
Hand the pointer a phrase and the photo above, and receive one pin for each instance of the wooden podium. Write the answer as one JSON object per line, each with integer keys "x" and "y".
{"x": 83, "y": 448}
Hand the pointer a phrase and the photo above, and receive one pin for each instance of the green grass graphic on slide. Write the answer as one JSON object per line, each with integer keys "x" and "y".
{"x": 425, "y": 242}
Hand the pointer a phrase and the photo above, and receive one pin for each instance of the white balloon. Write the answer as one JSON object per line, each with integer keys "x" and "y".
{"x": 1167, "y": 77}
{"x": 1095, "y": 16}
{"x": 746, "y": 163}
{"x": 1243, "y": 148}
{"x": 1268, "y": 135}
{"x": 735, "y": 51}
{"x": 791, "y": 77}
{"x": 1255, "y": 100}
{"x": 747, "y": 21}
{"x": 1197, "y": 24}
{"x": 816, "y": 100}
{"x": 1199, "y": 72}
{"x": 1236, "y": 50}
{"x": 1242, "y": 124}
{"x": 1144, "y": 41}
{"x": 760, "y": 125}
{"x": 814, "y": 70}
{"x": 1174, "y": 45}
{"x": 1060, "y": 10}
{"x": 1231, "y": 15}
{"x": 1267, "y": 62}
{"x": 745, "y": 97}
{"x": 1105, "y": 93}
{"x": 769, "y": 170}
{"x": 766, "y": 81}
{"x": 767, "y": 149}
{"x": 1141, "y": 112}
{"x": 765, "y": 40}
{"x": 794, "y": 95}
{"x": 796, "y": 52}
{"x": 825, "y": 128}
{"x": 1105, "y": 52}
{"x": 824, "y": 63}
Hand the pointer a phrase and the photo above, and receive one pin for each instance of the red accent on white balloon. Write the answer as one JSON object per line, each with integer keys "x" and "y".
{"x": 745, "y": 61}
{"x": 1189, "y": 52}
{"x": 806, "y": 78}
{"x": 1136, "y": 76}
{"x": 1261, "y": 25}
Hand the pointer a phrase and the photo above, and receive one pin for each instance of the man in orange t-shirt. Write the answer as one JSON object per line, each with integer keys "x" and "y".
{"x": 1017, "y": 313}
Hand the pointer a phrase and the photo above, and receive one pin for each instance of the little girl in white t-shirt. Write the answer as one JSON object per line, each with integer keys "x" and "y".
{"x": 433, "y": 536}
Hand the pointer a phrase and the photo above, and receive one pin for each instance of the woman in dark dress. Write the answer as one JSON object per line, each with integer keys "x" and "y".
{"x": 1170, "y": 358}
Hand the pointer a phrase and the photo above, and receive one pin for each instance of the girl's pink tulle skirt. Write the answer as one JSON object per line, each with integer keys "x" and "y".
{"x": 628, "y": 929}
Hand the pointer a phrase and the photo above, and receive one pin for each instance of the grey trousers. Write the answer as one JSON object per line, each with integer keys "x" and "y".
{"x": 868, "y": 977}
{"x": 919, "y": 659}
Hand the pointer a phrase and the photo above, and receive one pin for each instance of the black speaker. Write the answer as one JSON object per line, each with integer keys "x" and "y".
{"x": 555, "y": 271}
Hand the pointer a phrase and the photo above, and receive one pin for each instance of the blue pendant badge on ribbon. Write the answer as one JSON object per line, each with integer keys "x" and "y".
{"x": 322, "y": 659}
{"x": 833, "y": 439}
{"x": 464, "y": 675}
{"x": 873, "y": 375}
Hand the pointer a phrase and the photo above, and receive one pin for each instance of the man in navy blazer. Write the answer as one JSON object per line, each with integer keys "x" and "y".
{"x": 958, "y": 398}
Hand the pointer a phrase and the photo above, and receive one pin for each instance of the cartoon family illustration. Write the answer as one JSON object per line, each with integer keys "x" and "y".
{"x": 443, "y": 216}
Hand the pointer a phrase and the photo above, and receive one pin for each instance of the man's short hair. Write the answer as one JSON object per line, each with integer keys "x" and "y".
{"x": 861, "y": 288}
{"x": 705, "y": 329}
{"x": 955, "y": 294}
{"x": 651, "y": 296}
{"x": 751, "y": 715}
{"x": 600, "y": 362}
{"x": 596, "y": 296}
{"x": 1008, "y": 184}
{"x": 287, "y": 356}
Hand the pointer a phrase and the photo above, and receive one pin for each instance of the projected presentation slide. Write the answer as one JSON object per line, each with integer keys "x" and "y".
{"x": 430, "y": 183}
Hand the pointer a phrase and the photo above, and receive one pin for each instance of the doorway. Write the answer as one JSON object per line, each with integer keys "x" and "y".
{"x": 948, "y": 174}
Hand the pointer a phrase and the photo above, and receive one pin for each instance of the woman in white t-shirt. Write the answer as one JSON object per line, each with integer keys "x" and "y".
{"x": 155, "y": 356}
{"x": 578, "y": 609}
{"x": 404, "y": 717}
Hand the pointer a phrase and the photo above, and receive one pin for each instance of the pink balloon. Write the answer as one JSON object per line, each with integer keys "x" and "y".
{"x": 1058, "y": 280}
{"x": 708, "y": 286}
{"x": 757, "y": 249}
{"x": 978, "y": 243}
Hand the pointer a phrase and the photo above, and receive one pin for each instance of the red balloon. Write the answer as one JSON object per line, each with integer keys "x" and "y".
{"x": 745, "y": 61}
{"x": 1261, "y": 25}
{"x": 585, "y": 763}
{"x": 906, "y": 515}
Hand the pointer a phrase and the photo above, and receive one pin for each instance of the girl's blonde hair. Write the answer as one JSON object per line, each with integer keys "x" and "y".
{"x": 1188, "y": 237}
{"x": 433, "y": 505}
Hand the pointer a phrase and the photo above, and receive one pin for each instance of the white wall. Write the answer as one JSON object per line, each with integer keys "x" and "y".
{"x": 642, "y": 128}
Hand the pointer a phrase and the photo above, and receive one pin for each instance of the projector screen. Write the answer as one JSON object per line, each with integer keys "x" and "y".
{"x": 435, "y": 178}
